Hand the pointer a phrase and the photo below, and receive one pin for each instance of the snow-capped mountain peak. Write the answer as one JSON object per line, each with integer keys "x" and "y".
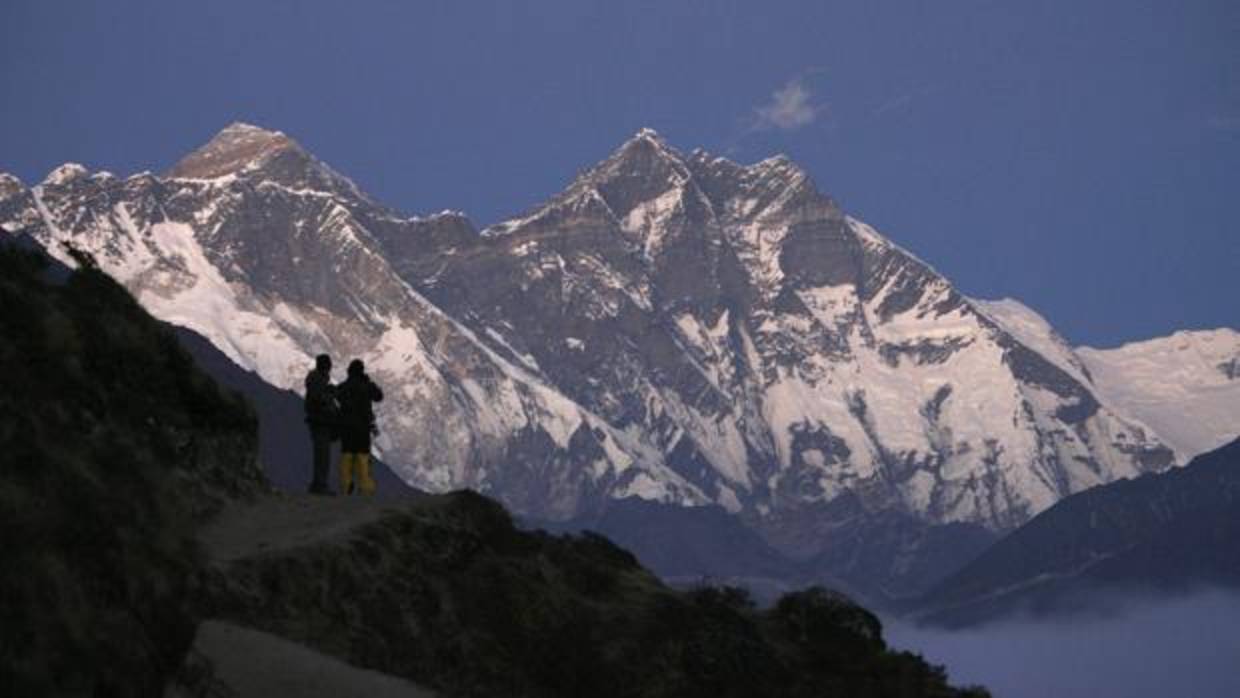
{"x": 10, "y": 186}
{"x": 237, "y": 147}
{"x": 646, "y": 158}
{"x": 64, "y": 174}
{"x": 648, "y": 133}
{"x": 644, "y": 176}
{"x": 262, "y": 156}
{"x": 644, "y": 140}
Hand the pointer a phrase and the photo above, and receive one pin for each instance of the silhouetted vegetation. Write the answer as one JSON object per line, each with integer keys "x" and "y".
{"x": 112, "y": 443}
{"x": 457, "y": 598}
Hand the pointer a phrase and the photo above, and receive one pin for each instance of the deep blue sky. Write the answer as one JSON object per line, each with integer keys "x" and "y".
{"x": 1083, "y": 157}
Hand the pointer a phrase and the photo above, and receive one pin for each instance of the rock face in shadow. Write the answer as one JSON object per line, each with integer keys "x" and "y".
{"x": 1170, "y": 532}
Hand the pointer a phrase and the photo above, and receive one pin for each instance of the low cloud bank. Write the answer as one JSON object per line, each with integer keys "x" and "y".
{"x": 1184, "y": 647}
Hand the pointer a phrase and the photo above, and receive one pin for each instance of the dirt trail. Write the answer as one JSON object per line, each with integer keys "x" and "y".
{"x": 291, "y": 521}
{"x": 252, "y": 663}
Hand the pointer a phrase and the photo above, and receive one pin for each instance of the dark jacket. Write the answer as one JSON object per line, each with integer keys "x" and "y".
{"x": 322, "y": 412}
{"x": 357, "y": 415}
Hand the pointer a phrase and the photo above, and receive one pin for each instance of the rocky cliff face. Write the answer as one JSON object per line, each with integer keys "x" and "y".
{"x": 672, "y": 326}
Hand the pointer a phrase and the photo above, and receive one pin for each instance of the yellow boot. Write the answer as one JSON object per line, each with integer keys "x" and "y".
{"x": 346, "y": 472}
{"x": 365, "y": 482}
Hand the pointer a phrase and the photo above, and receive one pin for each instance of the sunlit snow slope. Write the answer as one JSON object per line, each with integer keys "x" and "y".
{"x": 1186, "y": 387}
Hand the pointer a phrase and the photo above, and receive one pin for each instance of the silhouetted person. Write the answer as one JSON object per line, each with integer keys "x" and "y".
{"x": 323, "y": 417}
{"x": 357, "y": 423}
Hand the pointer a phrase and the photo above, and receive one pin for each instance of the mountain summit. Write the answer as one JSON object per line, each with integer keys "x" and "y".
{"x": 242, "y": 149}
{"x": 675, "y": 327}
{"x": 233, "y": 149}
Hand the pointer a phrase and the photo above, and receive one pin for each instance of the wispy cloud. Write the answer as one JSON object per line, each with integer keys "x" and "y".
{"x": 791, "y": 106}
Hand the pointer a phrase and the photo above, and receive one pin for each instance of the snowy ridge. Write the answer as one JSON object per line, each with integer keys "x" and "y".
{"x": 1035, "y": 332}
{"x": 1186, "y": 386}
{"x": 1182, "y": 388}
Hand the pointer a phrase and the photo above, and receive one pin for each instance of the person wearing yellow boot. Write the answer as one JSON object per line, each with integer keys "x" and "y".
{"x": 356, "y": 396}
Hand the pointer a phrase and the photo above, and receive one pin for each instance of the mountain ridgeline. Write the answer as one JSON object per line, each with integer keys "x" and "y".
{"x": 127, "y": 460}
{"x": 673, "y": 326}
{"x": 1160, "y": 534}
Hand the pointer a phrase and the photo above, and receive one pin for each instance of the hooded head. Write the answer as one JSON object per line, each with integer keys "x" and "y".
{"x": 357, "y": 368}
{"x": 323, "y": 362}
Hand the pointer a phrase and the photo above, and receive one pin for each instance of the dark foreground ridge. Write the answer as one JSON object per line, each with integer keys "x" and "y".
{"x": 135, "y": 518}
{"x": 115, "y": 447}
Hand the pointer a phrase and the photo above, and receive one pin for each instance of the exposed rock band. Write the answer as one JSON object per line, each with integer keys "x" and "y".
{"x": 342, "y": 412}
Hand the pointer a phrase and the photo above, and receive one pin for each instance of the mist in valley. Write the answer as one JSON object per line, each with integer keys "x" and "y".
{"x": 1188, "y": 646}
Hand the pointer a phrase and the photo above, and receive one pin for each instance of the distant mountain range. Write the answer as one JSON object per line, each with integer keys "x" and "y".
{"x": 674, "y": 327}
{"x": 1173, "y": 531}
